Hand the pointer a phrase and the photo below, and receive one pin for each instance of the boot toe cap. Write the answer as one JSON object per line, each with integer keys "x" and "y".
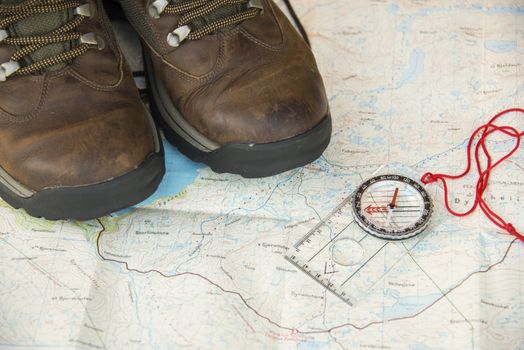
{"x": 95, "y": 150}
{"x": 262, "y": 107}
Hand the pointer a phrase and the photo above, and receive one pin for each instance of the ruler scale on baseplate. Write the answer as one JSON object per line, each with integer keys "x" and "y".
{"x": 364, "y": 237}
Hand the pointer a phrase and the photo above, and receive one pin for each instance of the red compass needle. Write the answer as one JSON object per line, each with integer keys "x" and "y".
{"x": 393, "y": 203}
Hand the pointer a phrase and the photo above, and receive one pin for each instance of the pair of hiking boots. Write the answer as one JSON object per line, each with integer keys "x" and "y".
{"x": 231, "y": 83}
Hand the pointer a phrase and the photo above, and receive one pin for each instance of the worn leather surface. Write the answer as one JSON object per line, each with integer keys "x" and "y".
{"x": 81, "y": 125}
{"x": 256, "y": 83}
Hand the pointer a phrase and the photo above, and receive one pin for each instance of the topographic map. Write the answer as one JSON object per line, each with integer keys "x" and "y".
{"x": 201, "y": 264}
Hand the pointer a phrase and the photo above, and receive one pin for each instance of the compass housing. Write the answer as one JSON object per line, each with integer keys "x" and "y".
{"x": 375, "y": 217}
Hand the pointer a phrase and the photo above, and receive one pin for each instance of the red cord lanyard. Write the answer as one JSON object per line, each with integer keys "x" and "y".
{"x": 484, "y": 174}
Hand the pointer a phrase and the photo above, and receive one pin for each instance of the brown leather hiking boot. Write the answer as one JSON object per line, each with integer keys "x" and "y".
{"x": 75, "y": 139}
{"x": 232, "y": 83}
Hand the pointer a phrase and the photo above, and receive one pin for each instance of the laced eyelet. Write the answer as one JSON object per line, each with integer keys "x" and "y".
{"x": 93, "y": 40}
{"x": 157, "y": 7}
{"x": 64, "y": 32}
{"x": 256, "y": 4}
{"x": 3, "y": 35}
{"x": 7, "y": 69}
{"x": 86, "y": 10}
{"x": 178, "y": 35}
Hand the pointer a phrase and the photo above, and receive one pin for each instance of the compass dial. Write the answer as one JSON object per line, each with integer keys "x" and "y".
{"x": 392, "y": 207}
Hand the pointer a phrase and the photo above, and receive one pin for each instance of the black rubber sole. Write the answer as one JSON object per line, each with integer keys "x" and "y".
{"x": 247, "y": 160}
{"x": 93, "y": 201}
{"x": 256, "y": 160}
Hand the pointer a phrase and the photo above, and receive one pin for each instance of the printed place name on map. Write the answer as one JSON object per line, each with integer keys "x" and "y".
{"x": 91, "y": 278}
{"x": 401, "y": 284}
{"x": 475, "y": 320}
{"x": 311, "y": 296}
{"x": 49, "y": 249}
{"x": 61, "y": 298}
{"x": 374, "y": 346}
{"x": 499, "y": 306}
{"x": 152, "y": 233}
{"x": 117, "y": 255}
{"x": 215, "y": 256}
{"x": 278, "y": 268}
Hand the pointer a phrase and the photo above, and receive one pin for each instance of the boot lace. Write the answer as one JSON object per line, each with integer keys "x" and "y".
{"x": 26, "y": 45}
{"x": 191, "y": 11}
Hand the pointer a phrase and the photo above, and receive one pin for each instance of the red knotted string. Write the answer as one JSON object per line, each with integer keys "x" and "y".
{"x": 484, "y": 174}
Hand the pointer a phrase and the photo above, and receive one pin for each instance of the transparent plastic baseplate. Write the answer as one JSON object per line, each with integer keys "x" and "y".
{"x": 342, "y": 257}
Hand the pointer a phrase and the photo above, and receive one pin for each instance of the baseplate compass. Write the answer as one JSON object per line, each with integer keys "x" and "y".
{"x": 392, "y": 207}
{"x": 364, "y": 237}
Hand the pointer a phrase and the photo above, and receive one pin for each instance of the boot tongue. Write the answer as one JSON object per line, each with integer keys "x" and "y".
{"x": 39, "y": 24}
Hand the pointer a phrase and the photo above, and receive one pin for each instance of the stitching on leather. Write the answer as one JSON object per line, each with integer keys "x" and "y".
{"x": 149, "y": 20}
{"x": 176, "y": 70}
{"x": 221, "y": 57}
{"x": 106, "y": 27}
{"x": 95, "y": 86}
{"x": 189, "y": 77}
{"x": 22, "y": 118}
{"x": 256, "y": 41}
{"x": 218, "y": 65}
{"x": 263, "y": 44}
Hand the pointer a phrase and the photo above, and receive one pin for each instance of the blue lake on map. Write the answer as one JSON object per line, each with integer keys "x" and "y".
{"x": 409, "y": 304}
{"x": 180, "y": 173}
{"x": 415, "y": 69}
{"x": 496, "y": 10}
{"x": 500, "y": 46}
